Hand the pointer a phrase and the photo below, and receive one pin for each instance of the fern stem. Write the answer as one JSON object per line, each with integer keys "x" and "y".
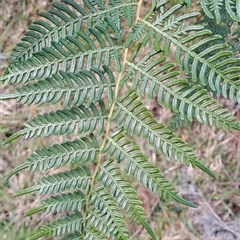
{"x": 106, "y": 135}
{"x": 125, "y": 61}
{"x": 138, "y": 11}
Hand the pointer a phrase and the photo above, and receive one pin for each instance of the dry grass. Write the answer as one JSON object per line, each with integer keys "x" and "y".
{"x": 218, "y": 215}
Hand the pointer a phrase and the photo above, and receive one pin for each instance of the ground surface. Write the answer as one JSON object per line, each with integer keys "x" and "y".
{"x": 218, "y": 215}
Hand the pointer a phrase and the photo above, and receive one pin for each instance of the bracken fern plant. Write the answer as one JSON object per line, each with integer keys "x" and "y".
{"x": 97, "y": 61}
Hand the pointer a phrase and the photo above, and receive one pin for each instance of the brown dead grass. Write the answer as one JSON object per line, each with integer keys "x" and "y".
{"x": 219, "y": 200}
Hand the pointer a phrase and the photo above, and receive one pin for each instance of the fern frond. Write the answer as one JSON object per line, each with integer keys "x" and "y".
{"x": 96, "y": 220}
{"x": 124, "y": 193}
{"x": 80, "y": 56}
{"x": 137, "y": 165}
{"x": 69, "y": 55}
{"x": 76, "y": 178}
{"x": 216, "y": 62}
{"x": 73, "y": 88}
{"x": 68, "y": 224}
{"x": 109, "y": 212}
{"x": 78, "y": 151}
{"x": 137, "y": 120}
{"x": 122, "y": 190}
{"x": 64, "y": 122}
{"x": 138, "y": 30}
{"x": 60, "y": 203}
{"x": 71, "y": 201}
{"x": 213, "y": 8}
{"x": 179, "y": 95}
{"x": 65, "y": 19}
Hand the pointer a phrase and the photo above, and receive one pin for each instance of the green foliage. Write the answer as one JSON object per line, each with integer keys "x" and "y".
{"x": 79, "y": 58}
{"x": 213, "y": 9}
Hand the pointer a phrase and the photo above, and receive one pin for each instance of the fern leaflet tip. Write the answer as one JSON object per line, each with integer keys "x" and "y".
{"x": 149, "y": 230}
{"x": 13, "y": 137}
{"x": 34, "y": 210}
{"x": 37, "y": 235}
{"x": 183, "y": 201}
{"x": 205, "y": 169}
{"x": 16, "y": 170}
{"x": 26, "y": 191}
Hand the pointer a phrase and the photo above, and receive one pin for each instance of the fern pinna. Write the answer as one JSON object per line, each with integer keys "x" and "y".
{"x": 79, "y": 57}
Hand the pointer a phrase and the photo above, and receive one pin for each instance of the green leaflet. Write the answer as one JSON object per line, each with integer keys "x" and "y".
{"x": 76, "y": 178}
{"x": 69, "y": 224}
{"x": 65, "y": 122}
{"x": 79, "y": 150}
{"x": 42, "y": 32}
{"x": 136, "y": 119}
{"x": 213, "y": 61}
{"x": 137, "y": 165}
{"x": 104, "y": 204}
{"x": 178, "y": 95}
{"x": 60, "y": 203}
{"x": 213, "y": 9}
{"x": 124, "y": 194}
{"x": 74, "y": 89}
{"x": 96, "y": 61}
